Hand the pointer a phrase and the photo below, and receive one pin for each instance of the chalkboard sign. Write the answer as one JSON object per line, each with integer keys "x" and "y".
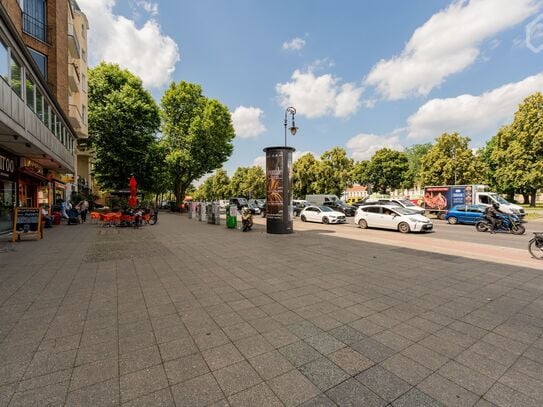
{"x": 27, "y": 223}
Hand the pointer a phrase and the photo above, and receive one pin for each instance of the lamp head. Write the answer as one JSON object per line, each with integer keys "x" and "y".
{"x": 293, "y": 129}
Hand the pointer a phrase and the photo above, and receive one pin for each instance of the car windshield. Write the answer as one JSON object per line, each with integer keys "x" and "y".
{"x": 405, "y": 211}
{"x": 500, "y": 200}
{"x": 407, "y": 202}
{"x": 326, "y": 209}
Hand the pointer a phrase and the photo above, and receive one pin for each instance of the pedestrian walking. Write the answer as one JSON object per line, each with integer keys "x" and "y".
{"x": 83, "y": 208}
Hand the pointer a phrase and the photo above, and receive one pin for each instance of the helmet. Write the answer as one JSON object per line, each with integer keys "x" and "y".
{"x": 496, "y": 205}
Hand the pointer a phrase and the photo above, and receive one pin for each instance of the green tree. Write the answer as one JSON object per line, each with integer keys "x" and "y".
{"x": 387, "y": 169}
{"x": 520, "y": 157}
{"x": 123, "y": 121}
{"x": 414, "y": 154}
{"x": 198, "y": 133}
{"x": 248, "y": 182}
{"x": 220, "y": 184}
{"x": 450, "y": 161}
{"x": 334, "y": 172}
{"x": 156, "y": 176}
{"x": 359, "y": 173}
{"x": 304, "y": 175}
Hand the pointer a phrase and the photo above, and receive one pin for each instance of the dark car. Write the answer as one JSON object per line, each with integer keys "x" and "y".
{"x": 239, "y": 202}
{"x": 340, "y": 206}
{"x": 469, "y": 214}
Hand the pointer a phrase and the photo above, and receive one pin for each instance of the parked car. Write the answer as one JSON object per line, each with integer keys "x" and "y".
{"x": 321, "y": 214}
{"x": 254, "y": 208}
{"x": 239, "y": 202}
{"x": 341, "y": 206}
{"x": 298, "y": 205}
{"x": 392, "y": 217}
{"x": 469, "y": 214}
{"x": 404, "y": 203}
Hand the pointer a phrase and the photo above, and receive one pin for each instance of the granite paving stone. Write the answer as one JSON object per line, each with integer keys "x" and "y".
{"x": 187, "y": 367}
{"x": 237, "y": 377}
{"x": 352, "y": 393}
{"x": 323, "y": 373}
{"x": 96, "y": 316}
{"x": 350, "y": 360}
{"x": 293, "y": 388}
{"x": 384, "y": 383}
{"x": 259, "y": 395}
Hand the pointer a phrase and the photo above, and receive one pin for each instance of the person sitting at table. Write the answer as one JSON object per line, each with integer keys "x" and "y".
{"x": 48, "y": 219}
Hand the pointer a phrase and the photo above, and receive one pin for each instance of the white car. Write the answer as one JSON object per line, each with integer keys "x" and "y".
{"x": 321, "y": 214}
{"x": 404, "y": 203}
{"x": 392, "y": 217}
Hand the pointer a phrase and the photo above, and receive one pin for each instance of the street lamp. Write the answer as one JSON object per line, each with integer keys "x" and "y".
{"x": 293, "y": 129}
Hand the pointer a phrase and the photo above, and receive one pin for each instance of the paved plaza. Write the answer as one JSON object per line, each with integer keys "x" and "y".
{"x": 189, "y": 314}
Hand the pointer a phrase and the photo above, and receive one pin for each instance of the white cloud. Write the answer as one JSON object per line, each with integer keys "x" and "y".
{"x": 148, "y": 6}
{"x": 446, "y": 44}
{"x": 261, "y": 159}
{"x": 472, "y": 115}
{"x": 363, "y": 146}
{"x": 144, "y": 51}
{"x": 294, "y": 44}
{"x": 317, "y": 96}
{"x": 247, "y": 121}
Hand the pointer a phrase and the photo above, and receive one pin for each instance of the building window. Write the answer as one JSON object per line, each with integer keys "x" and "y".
{"x": 84, "y": 114}
{"x": 84, "y": 82}
{"x": 47, "y": 113}
{"x": 15, "y": 77}
{"x": 34, "y": 19}
{"x": 84, "y": 55}
{"x": 41, "y": 61}
{"x": 39, "y": 106}
{"x": 4, "y": 61}
{"x": 30, "y": 89}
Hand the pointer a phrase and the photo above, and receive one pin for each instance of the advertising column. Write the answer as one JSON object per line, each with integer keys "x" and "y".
{"x": 279, "y": 190}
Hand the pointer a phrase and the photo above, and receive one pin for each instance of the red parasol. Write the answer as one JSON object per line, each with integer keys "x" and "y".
{"x": 133, "y": 190}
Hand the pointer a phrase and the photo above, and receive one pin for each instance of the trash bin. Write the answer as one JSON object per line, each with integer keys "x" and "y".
{"x": 210, "y": 214}
{"x": 216, "y": 213}
{"x": 231, "y": 216}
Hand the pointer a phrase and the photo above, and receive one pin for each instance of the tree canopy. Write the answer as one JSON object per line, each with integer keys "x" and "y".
{"x": 123, "y": 121}
{"x": 387, "y": 169}
{"x": 450, "y": 161}
{"x": 304, "y": 175}
{"x": 334, "y": 172}
{"x": 198, "y": 134}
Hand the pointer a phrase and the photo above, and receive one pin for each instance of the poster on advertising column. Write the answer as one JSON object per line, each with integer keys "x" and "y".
{"x": 274, "y": 185}
{"x": 278, "y": 190}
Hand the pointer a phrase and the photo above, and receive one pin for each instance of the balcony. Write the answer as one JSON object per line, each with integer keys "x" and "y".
{"x": 73, "y": 77}
{"x": 34, "y": 27}
{"x": 75, "y": 117}
{"x": 73, "y": 43}
{"x": 27, "y": 136}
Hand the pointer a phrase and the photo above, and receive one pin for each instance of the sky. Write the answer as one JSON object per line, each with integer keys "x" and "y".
{"x": 361, "y": 74}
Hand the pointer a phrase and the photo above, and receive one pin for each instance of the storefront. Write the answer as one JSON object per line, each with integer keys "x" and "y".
{"x": 34, "y": 187}
{"x": 8, "y": 191}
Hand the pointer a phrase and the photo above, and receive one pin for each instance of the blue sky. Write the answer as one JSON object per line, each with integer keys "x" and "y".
{"x": 362, "y": 75}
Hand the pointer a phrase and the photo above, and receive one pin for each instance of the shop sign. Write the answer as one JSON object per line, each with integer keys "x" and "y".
{"x": 27, "y": 222}
{"x": 7, "y": 165}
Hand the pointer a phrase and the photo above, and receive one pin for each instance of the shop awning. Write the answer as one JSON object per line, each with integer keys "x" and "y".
{"x": 28, "y": 172}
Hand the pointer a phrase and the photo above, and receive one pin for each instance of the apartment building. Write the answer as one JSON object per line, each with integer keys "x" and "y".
{"x": 38, "y": 131}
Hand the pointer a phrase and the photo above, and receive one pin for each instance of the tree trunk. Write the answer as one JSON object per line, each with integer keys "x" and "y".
{"x": 525, "y": 198}
{"x": 511, "y": 195}
{"x": 533, "y": 196}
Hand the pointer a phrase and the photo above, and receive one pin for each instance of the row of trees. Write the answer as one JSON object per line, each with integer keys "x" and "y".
{"x": 188, "y": 135}
{"x": 196, "y": 133}
{"x": 511, "y": 162}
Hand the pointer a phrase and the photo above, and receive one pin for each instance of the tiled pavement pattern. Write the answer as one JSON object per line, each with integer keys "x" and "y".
{"x": 190, "y": 314}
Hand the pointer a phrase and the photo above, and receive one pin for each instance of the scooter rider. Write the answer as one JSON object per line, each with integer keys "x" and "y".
{"x": 493, "y": 215}
{"x": 246, "y": 219}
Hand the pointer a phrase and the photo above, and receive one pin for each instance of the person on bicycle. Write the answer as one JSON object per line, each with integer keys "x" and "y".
{"x": 493, "y": 215}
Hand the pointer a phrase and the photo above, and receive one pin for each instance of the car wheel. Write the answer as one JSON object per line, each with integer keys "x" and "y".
{"x": 302, "y": 218}
{"x": 452, "y": 220}
{"x": 325, "y": 220}
{"x": 404, "y": 227}
{"x": 362, "y": 223}
{"x": 441, "y": 216}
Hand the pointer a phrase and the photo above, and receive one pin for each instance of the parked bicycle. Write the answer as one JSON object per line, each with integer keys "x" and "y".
{"x": 535, "y": 247}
